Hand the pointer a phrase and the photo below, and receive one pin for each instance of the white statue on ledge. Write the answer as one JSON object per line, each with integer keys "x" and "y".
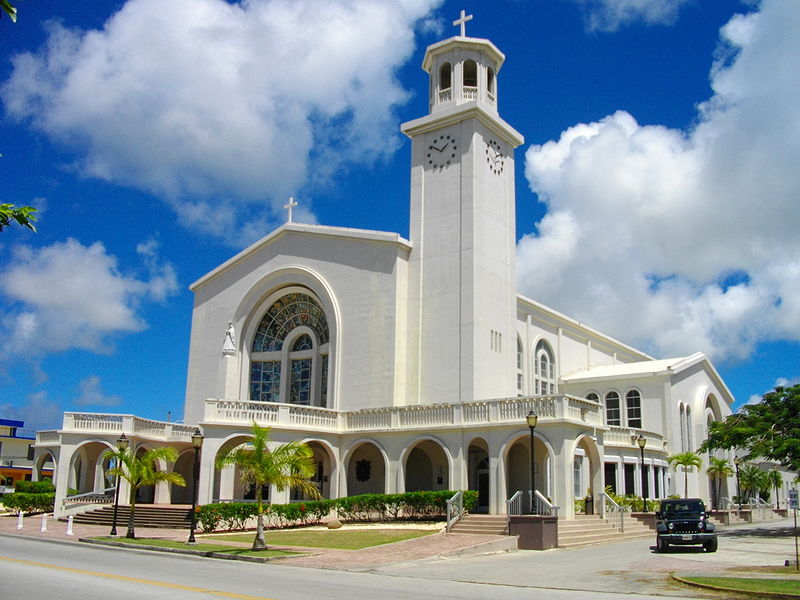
{"x": 229, "y": 345}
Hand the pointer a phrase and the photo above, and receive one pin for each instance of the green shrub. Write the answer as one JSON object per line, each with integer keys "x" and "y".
{"x": 364, "y": 507}
{"x": 27, "y": 504}
{"x": 35, "y": 487}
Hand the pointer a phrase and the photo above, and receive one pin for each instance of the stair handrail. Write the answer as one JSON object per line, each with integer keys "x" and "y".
{"x": 613, "y": 508}
{"x": 514, "y": 504}
{"x": 455, "y": 509}
{"x": 726, "y": 501}
{"x": 95, "y": 496}
{"x": 544, "y": 506}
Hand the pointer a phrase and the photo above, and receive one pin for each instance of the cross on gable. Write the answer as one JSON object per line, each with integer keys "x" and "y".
{"x": 463, "y": 22}
{"x": 290, "y": 206}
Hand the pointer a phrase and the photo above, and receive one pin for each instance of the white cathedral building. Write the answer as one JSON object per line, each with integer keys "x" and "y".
{"x": 411, "y": 364}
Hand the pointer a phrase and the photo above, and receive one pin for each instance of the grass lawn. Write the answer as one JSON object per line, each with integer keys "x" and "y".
{"x": 200, "y": 547}
{"x": 775, "y": 586}
{"x": 342, "y": 539}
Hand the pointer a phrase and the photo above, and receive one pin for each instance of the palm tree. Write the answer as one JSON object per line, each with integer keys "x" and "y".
{"x": 140, "y": 471}
{"x": 753, "y": 480}
{"x": 287, "y": 465}
{"x": 718, "y": 470}
{"x": 687, "y": 460}
{"x": 776, "y": 481}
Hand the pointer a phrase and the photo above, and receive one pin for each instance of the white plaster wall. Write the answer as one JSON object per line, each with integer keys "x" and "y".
{"x": 357, "y": 281}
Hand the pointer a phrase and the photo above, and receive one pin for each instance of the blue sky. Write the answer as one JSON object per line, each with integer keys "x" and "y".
{"x": 657, "y": 189}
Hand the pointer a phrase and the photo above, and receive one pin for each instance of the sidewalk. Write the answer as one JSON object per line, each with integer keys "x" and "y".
{"x": 427, "y": 547}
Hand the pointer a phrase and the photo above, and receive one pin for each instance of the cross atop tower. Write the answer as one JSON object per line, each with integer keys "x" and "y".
{"x": 290, "y": 206}
{"x": 463, "y": 22}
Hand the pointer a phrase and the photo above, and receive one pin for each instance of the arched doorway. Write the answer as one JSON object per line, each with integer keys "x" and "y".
{"x": 518, "y": 469}
{"x": 185, "y": 467}
{"x": 426, "y": 467}
{"x": 228, "y": 484}
{"x": 147, "y": 493}
{"x": 587, "y": 472}
{"x": 87, "y": 471}
{"x": 478, "y": 473}
{"x": 366, "y": 470}
{"x": 322, "y": 473}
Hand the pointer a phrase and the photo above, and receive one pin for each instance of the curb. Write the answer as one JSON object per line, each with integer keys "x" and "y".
{"x": 203, "y": 553}
{"x": 717, "y": 588}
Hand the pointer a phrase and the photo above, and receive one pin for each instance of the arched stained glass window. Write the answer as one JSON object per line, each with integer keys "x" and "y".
{"x": 290, "y": 364}
{"x": 288, "y": 312}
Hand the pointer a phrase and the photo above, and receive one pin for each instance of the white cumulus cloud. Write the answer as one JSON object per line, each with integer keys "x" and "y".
{"x": 680, "y": 241}
{"x": 223, "y": 109}
{"x": 68, "y": 295}
{"x": 610, "y": 15}
{"x": 90, "y": 393}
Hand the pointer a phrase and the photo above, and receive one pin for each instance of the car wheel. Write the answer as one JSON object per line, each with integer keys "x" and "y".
{"x": 662, "y": 546}
{"x": 710, "y": 546}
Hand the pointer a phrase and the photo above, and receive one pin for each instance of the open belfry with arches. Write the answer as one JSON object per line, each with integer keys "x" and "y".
{"x": 412, "y": 364}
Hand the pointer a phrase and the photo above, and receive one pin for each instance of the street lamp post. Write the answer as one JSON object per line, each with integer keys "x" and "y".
{"x": 197, "y": 443}
{"x": 642, "y": 442}
{"x": 531, "y": 419}
{"x": 737, "y": 461}
{"x": 122, "y": 446}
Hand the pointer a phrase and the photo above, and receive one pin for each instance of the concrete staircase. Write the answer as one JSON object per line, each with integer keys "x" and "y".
{"x": 145, "y": 515}
{"x": 481, "y": 524}
{"x": 591, "y": 529}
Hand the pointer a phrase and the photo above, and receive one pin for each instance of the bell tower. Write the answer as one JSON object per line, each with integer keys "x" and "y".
{"x": 462, "y": 282}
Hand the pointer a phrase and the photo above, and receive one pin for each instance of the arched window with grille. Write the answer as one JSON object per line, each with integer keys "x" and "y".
{"x": 290, "y": 351}
{"x": 544, "y": 369}
{"x": 520, "y": 370}
{"x": 613, "y": 414}
{"x": 633, "y": 408}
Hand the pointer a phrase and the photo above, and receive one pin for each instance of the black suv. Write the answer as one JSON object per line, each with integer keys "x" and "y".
{"x": 682, "y": 523}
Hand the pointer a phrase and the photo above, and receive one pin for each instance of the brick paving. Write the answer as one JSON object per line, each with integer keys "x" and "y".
{"x": 414, "y": 549}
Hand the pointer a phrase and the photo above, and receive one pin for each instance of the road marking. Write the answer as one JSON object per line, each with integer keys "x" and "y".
{"x": 164, "y": 584}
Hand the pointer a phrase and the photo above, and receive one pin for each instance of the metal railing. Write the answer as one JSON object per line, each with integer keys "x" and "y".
{"x": 514, "y": 504}
{"x": 455, "y": 509}
{"x": 614, "y": 512}
{"x": 94, "y": 497}
{"x": 544, "y": 506}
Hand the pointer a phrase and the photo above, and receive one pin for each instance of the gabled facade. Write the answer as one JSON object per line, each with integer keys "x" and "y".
{"x": 412, "y": 364}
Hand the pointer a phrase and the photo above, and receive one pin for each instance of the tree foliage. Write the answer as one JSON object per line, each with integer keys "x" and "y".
{"x": 22, "y": 215}
{"x": 718, "y": 470}
{"x": 9, "y": 9}
{"x": 768, "y": 430}
{"x": 142, "y": 470}
{"x": 287, "y": 465}
{"x": 687, "y": 460}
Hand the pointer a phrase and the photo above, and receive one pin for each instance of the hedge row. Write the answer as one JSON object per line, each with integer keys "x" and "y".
{"x": 366, "y": 507}
{"x": 35, "y": 487}
{"x": 20, "y": 502}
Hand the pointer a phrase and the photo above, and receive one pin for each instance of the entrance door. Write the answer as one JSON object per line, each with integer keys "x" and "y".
{"x": 483, "y": 491}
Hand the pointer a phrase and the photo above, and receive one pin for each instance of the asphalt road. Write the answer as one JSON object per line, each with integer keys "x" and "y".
{"x": 43, "y": 570}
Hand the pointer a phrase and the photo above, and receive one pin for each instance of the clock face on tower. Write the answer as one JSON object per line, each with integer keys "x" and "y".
{"x": 442, "y": 151}
{"x": 494, "y": 157}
